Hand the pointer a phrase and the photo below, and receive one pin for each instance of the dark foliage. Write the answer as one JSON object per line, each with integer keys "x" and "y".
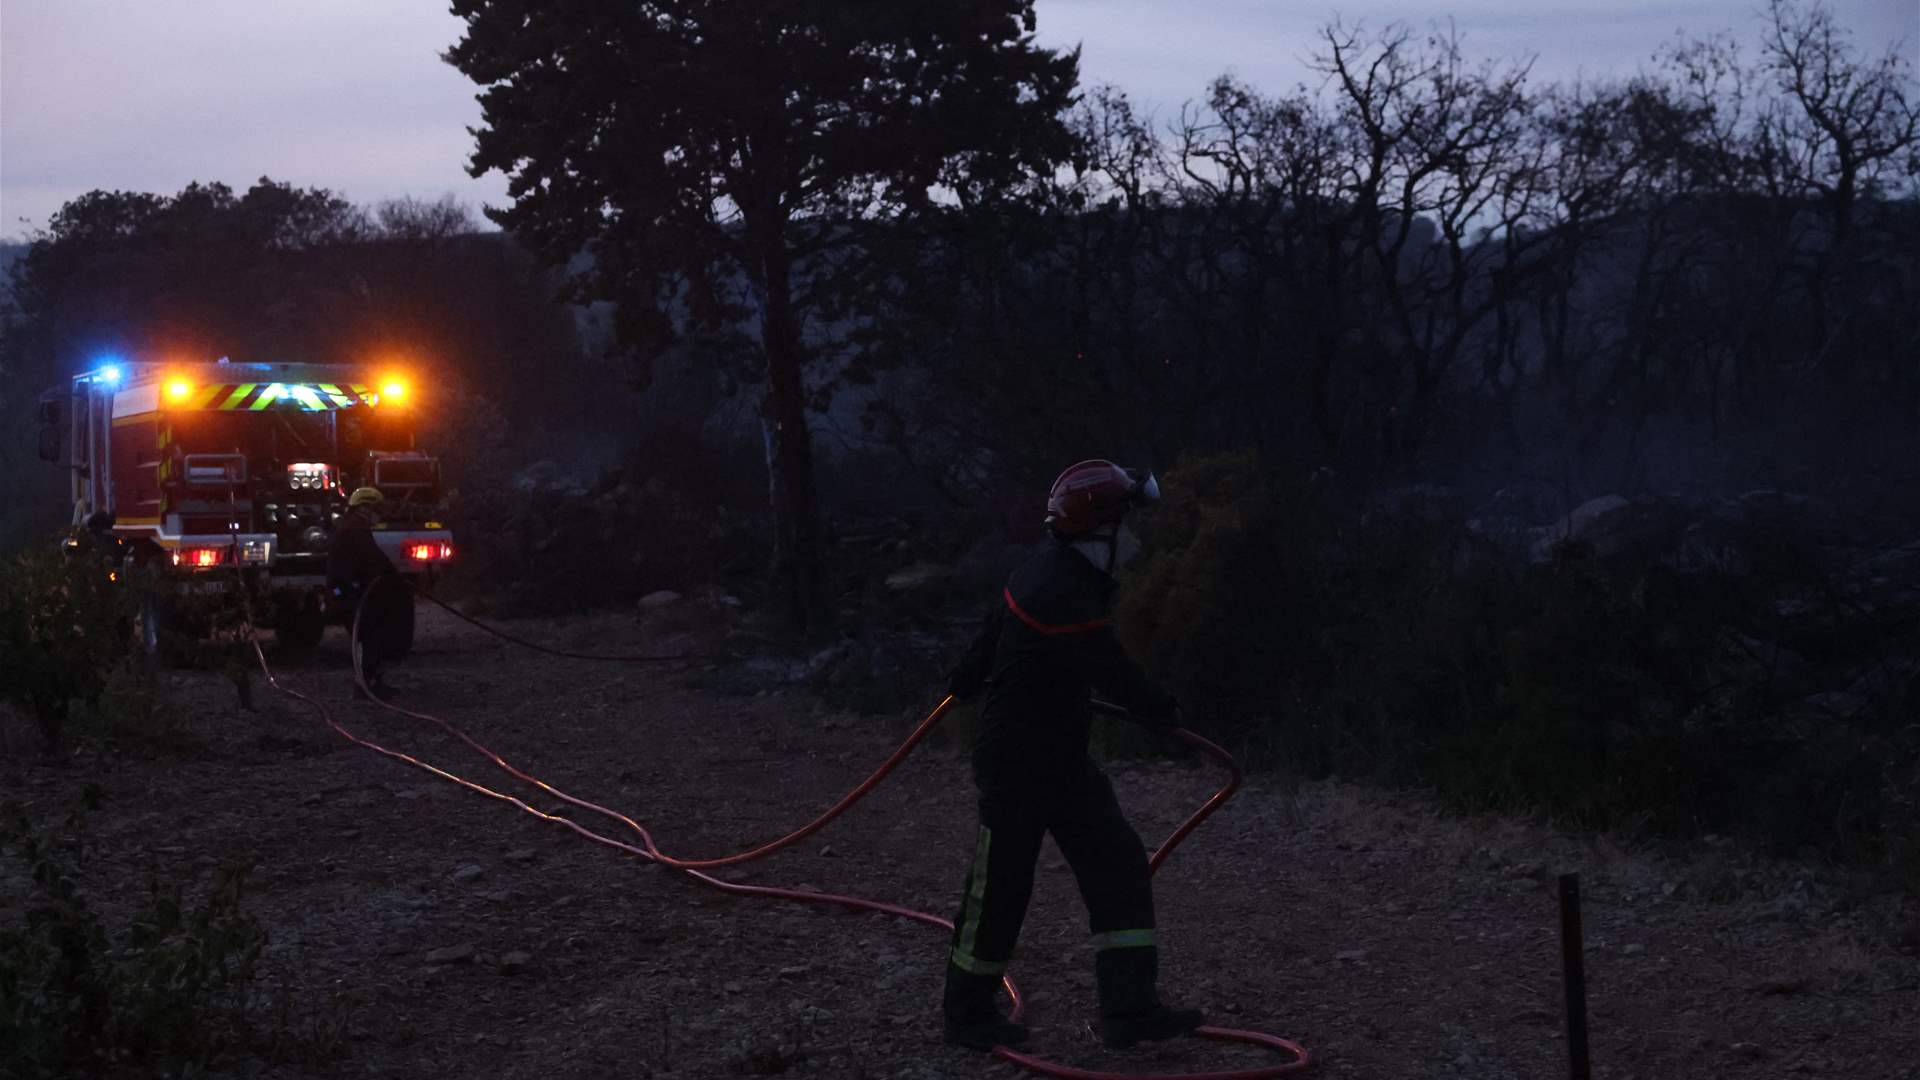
{"x": 64, "y": 627}
{"x": 1439, "y": 270}
{"x": 164, "y": 994}
{"x": 1650, "y": 687}
{"x": 547, "y": 545}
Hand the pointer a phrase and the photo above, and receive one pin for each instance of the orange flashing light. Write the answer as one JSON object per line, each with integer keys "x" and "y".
{"x": 393, "y": 391}
{"x": 179, "y": 389}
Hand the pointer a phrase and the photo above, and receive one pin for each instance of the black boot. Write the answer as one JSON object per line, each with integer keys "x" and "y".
{"x": 972, "y": 1018}
{"x": 1130, "y": 1008}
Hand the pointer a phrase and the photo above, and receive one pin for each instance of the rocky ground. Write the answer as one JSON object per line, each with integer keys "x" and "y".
{"x": 418, "y": 929}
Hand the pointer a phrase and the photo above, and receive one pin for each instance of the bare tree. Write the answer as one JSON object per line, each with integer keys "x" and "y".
{"x": 1445, "y": 170}
{"x": 410, "y": 218}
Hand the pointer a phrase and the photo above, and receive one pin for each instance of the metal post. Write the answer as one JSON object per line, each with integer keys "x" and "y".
{"x": 1573, "y": 968}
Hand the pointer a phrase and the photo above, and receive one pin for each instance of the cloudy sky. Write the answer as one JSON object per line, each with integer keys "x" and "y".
{"x": 350, "y": 94}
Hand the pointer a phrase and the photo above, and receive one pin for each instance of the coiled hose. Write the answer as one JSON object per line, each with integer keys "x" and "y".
{"x": 694, "y": 868}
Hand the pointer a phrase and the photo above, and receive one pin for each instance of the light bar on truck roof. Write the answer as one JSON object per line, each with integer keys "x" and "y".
{"x": 257, "y": 397}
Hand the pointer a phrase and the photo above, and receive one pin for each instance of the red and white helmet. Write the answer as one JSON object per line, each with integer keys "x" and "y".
{"x": 1095, "y": 493}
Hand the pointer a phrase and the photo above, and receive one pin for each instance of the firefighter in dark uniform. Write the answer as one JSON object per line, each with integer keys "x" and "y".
{"x": 100, "y": 541}
{"x": 359, "y": 573}
{"x": 1047, "y": 646}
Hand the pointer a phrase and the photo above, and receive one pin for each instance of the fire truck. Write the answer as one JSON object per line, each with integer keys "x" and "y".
{"x": 224, "y": 475}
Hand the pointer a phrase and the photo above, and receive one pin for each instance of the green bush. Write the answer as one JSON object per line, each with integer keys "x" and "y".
{"x": 64, "y": 625}
{"x": 207, "y": 631}
{"x": 1328, "y": 635}
{"x": 132, "y": 711}
{"x": 1284, "y": 626}
{"x": 162, "y": 995}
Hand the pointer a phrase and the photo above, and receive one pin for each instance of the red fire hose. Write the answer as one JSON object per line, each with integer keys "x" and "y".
{"x": 693, "y": 868}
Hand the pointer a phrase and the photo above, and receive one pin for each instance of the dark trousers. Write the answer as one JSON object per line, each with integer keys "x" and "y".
{"x": 1019, "y": 806}
{"x": 385, "y": 604}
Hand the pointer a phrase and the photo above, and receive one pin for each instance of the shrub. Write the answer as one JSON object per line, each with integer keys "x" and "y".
{"x": 164, "y": 994}
{"x": 206, "y": 631}
{"x": 1278, "y": 619}
{"x": 132, "y": 710}
{"x": 1336, "y": 635}
{"x": 64, "y": 624}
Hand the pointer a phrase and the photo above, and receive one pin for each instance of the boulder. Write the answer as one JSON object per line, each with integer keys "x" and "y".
{"x": 823, "y": 664}
{"x": 1612, "y": 526}
{"x": 1509, "y": 517}
{"x": 919, "y": 576}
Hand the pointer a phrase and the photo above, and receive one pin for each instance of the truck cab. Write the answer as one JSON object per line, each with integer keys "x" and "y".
{"x": 225, "y": 475}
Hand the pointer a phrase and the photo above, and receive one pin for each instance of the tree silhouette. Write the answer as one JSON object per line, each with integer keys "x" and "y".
{"x": 690, "y": 146}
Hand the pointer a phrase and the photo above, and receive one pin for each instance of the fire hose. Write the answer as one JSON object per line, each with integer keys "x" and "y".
{"x": 694, "y": 868}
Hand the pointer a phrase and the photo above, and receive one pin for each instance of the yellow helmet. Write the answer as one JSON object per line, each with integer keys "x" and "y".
{"x": 363, "y": 495}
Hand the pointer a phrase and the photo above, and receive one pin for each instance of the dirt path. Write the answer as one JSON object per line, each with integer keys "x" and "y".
{"x": 1391, "y": 940}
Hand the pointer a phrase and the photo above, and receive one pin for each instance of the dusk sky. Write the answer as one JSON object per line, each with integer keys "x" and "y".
{"x": 350, "y": 95}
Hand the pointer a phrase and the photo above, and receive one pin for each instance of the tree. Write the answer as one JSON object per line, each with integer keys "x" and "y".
{"x": 690, "y": 147}
{"x": 1445, "y": 170}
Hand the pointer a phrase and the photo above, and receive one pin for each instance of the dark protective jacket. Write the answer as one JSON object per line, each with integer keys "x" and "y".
{"x": 354, "y": 563}
{"x": 1045, "y": 649}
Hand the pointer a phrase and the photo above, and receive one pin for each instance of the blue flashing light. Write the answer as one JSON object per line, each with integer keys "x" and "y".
{"x": 109, "y": 373}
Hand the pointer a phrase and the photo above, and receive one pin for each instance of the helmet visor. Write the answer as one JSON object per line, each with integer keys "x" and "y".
{"x": 1147, "y": 490}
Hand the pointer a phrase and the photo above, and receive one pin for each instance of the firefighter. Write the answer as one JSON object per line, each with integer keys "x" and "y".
{"x": 102, "y": 541}
{"x": 360, "y": 574}
{"x": 1047, "y": 645}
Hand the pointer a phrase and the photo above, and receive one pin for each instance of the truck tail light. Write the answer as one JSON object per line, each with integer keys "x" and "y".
{"x": 199, "y": 558}
{"x": 430, "y": 551}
